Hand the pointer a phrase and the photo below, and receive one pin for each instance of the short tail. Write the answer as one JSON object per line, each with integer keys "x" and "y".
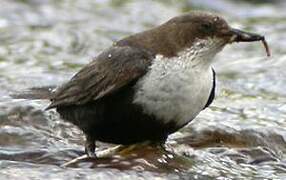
{"x": 45, "y": 92}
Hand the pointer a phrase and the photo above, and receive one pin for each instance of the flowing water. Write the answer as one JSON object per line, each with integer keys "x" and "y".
{"x": 241, "y": 136}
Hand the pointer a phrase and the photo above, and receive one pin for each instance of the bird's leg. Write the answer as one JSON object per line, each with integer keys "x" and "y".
{"x": 100, "y": 154}
{"x": 90, "y": 146}
{"x": 89, "y": 151}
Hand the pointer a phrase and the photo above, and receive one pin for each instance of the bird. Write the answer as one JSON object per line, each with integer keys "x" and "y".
{"x": 148, "y": 85}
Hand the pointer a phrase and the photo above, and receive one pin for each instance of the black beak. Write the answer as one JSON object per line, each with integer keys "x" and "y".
{"x": 242, "y": 36}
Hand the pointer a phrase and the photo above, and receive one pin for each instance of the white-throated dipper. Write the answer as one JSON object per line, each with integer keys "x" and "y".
{"x": 150, "y": 84}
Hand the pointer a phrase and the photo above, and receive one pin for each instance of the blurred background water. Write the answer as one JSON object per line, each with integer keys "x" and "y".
{"x": 241, "y": 136}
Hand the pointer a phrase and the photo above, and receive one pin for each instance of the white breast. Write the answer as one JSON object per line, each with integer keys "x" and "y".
{"x": 174, "y": 92}
{"x": 176, "y": 89}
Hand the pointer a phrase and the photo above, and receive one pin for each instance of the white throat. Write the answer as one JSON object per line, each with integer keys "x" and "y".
{"x": 202, "y": 52}
{"x": 177, "y": 88}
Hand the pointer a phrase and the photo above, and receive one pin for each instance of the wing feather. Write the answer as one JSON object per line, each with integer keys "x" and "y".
{"x": 110, "y": 71}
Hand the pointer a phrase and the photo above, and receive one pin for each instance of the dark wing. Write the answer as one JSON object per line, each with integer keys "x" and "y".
{"x": 212, "y": 94}
{"x": 110, "y": 71}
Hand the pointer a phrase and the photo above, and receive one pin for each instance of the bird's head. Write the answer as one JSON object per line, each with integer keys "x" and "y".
{"x": 199, "y": 32}
{"x": 206, "y": 33}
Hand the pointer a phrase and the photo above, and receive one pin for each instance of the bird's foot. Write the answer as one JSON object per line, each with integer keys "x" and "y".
{"x": 90, "y": 151}
{"x": 90, "y": 154}
{"x": 90, "y": 147}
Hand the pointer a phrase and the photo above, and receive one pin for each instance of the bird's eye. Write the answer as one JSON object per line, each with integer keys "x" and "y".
{"x": 207, "y": 27}
{"x": 216, "y": 19}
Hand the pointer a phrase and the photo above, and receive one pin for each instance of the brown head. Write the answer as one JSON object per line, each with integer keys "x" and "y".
{"x": 181, "y": 32}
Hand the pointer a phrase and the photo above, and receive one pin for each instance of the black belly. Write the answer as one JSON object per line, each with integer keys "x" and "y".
{"x": 115, "y": 119}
